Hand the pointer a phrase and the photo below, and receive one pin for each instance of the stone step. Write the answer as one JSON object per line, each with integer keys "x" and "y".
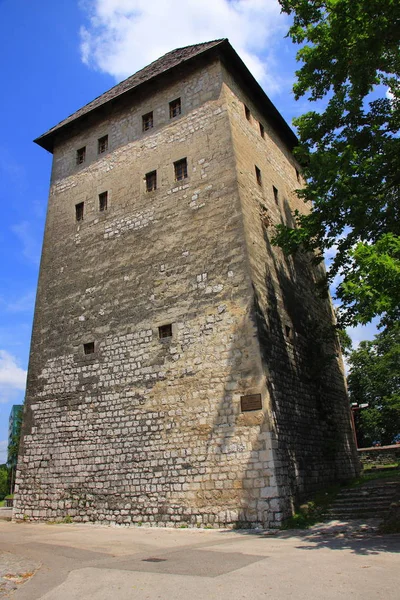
{"x": 363, "y": 500}
{"x": 365, "y": 514}
{"x": 372, "y": 500}
{"x": 355, "y": 509}
{"x": 369, "y": 493}
{"x": 360, "y": 517}
{"x": 377, "y": 507}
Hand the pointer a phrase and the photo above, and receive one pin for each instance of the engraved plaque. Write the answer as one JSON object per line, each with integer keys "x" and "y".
{"x": 251, "y": 402}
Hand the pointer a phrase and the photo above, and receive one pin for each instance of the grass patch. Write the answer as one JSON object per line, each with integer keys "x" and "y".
{"x": 2, "y": 503}
{"x": 381, "y": 467}
{"x": 372, "y": 474}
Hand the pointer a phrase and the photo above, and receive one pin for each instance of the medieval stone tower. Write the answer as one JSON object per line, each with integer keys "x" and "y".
{"x": 178, "y": 369}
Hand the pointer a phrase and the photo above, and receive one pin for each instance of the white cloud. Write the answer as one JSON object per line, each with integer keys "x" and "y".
{"x": 3, "y": 452}
{"x": 125, "y": 35}
{"x": 389, "y": 94}
{"x": 12, "y": 377}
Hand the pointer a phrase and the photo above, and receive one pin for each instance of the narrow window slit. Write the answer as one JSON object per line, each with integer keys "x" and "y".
{"x": 102, "y": 144}
{"x": 81, "y": 155}
{"x": 103, "y": 201}
{"x": 79, "y": 211}
{"x": 175, "y": 108}
{"x": 151, "y": 181}
{"x": 258, "y": 175}
{"x": 147, "y": 121}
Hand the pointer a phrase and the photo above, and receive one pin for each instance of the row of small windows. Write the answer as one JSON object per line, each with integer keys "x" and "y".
{"x": 102, "y": 146}
{"x": 164, "y": 332}
{"x": 248, "y": 117}
{"x": 181, "y": 172}
{"x": 80, "y": 207}
{"x": 175, "y": 109}
{"x": 262, "y": 133}
{"x": 259, "y": 181}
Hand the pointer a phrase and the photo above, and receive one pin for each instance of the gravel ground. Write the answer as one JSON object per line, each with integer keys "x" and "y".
{"x": 14, "y": 570}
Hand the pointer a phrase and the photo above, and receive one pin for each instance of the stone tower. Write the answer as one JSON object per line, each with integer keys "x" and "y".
{"x": 178, "y": 369}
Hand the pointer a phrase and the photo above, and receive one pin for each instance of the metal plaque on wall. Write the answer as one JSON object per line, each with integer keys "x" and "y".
{"x": 250, "y": 402}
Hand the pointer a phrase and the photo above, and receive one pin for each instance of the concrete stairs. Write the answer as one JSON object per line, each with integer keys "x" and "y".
{"x": 371, "y": 500}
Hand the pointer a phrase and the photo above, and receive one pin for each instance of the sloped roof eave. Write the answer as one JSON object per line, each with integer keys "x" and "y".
{"x": 233, "y": 63}
{"x": 46, "y": 140}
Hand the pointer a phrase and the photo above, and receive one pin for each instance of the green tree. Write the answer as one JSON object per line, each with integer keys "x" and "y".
{"x": 3, "y": 481}
{"x": 12, "y": 451}
{"x": 374, "y": 379}
{"x": 350, "y": 149}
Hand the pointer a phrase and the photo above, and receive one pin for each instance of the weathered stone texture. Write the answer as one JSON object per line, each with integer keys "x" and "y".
{"x": 149, "y": 430}
{"x": 303, "y": 367}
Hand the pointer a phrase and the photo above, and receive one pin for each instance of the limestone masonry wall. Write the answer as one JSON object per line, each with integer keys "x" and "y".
{"x": 147, "y": 429}
{"x": 301, "y": 355}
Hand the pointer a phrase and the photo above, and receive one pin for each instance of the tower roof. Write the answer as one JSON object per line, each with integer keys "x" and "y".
{"x": 164, "y": 64}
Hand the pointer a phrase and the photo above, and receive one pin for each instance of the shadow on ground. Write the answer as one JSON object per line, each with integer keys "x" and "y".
{"x": 360, "y": 538}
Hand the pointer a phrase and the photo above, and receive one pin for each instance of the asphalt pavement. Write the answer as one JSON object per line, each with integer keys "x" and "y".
{"x": 90, "y": 562}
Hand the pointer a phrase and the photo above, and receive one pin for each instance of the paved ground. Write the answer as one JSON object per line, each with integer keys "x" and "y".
{"x": 5, "y": 513}
{"x": 83, "y": 562}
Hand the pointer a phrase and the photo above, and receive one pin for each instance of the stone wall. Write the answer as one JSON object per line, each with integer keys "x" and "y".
{"x": 302, "y": 362}
{"x": 379, "y": 456}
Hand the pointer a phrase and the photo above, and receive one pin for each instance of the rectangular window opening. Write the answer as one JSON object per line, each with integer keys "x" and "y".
{"x": 151, "y": 181}
{"x": 262, "y": 130}
{"x": 103, "y": 200}
{"x": 102, "y": 144}
{"x": 276, "y": 194}
{"x": 175, "y": 108}
{"x": 88, "y": 348}
{"x": 258, "y": 175}
{"x": 247, "y": 112}
{"x": 79, "y": 211}
{"x": 81, "y": 155}
{"x": 165, "y": 331}
{"x": 147, "y": 121}
{"x": 180, "y": 167}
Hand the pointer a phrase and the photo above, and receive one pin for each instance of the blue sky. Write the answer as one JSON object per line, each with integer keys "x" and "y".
{"x": 57, "y": 57}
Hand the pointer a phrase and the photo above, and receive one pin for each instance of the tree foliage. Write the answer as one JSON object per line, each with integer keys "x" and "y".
{"x": 13, "y": 449}
{"x": 13, "y": 446}
{"x": 375, "y": 379}
{"x": 3, "y": 481}
{"x": 350, "y": 149}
